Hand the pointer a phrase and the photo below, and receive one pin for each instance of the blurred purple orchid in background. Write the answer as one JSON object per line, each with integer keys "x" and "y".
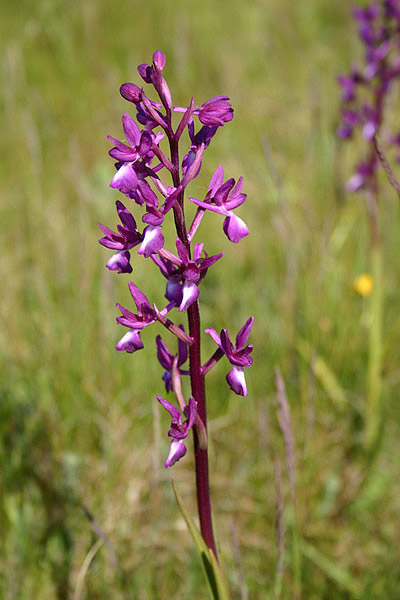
{"x": 365, "y": 99}
{"x": 364, "y": 91}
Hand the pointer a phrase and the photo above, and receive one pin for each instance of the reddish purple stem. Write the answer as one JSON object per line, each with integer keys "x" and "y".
{"x": 196, "y": 375}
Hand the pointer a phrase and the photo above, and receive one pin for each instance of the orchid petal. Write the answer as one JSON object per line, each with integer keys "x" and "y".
{"x": 216, "y": 180}
{"x": 177, "y": 451}
{"x": 198, "y": 249}
{"x": 221, "y": 210}
{"x": 125, "y": 216}
{"x": 222, "y": 193}
{"x": 191, "y": 412}
{"x": 130, "y": 342}
{"x": 125, "y": 179}
{"x": 190, "y": 293}
{"x": 120, "y": 262}
{"x": 164, "y": 356}
{"x": 237, "y": 381}
{"x": 153, "y": 241}
{"x": 226, "y": 343}
{"x": 182, "y": 251}
{"x": 131, "y": 130}
{"x": 244, "y": 333}
{"x": 235, "y": 228}
{"x": 138, "y": 297}
{"x": 211, "y": 260}
{"x": 172, "y": 409}
{"x": 214, "y": 336}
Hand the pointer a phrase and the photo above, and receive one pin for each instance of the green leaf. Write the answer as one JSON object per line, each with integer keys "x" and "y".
{"x": 212, "y": 571}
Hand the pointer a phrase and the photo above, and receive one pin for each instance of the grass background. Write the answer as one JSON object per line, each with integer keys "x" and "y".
{"x": 79, "y": 428}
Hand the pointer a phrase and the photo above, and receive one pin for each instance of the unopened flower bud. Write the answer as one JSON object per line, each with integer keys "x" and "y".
{"x": 131, "y": 92}
{"x": 159, "y": 60}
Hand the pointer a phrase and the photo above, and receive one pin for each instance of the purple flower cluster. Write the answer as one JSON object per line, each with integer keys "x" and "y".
{"x": 365, "y": 89}
{"x": 142, "y": 161}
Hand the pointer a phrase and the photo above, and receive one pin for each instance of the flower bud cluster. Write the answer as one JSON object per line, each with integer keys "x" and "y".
{"x": 365, "y": 89}
{"x": 156, "y": 183}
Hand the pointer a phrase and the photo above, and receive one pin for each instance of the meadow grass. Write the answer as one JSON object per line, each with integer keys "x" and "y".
{"x": 79, "y": 428}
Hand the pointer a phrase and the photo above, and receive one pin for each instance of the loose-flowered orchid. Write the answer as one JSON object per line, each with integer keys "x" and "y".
{"x": 157, "y": 184}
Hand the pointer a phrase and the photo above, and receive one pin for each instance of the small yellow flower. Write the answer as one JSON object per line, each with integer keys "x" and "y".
{"x": 363, "y": 284}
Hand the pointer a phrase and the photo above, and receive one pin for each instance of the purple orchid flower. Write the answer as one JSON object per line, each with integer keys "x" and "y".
{"x": 120, "y": 261}
{"x": 130, "y": 342}
{"x": 359, "y": 179}
{"x": 238, "y": 356}
{"x": 127, "y": 237}
{"x": 166, "y": 358}
{"x": 193, "y": 271}
{"x": 351, "y": 119}
{"x": 146, "y": 315}
{"x": 216, "y": 111}
{"x": 153, "y": 239}
{"x": 140, "y": 144}
{"x": 226, "y": 197}
{"x": 173, "y": 291}
{"x": 348, "y": 84}
{"x": 179, "y": 431}
{"x": 202, "y": 138}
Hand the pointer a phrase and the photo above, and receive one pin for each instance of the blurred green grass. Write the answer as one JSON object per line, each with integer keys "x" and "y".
{"x": 77, "y": 420}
